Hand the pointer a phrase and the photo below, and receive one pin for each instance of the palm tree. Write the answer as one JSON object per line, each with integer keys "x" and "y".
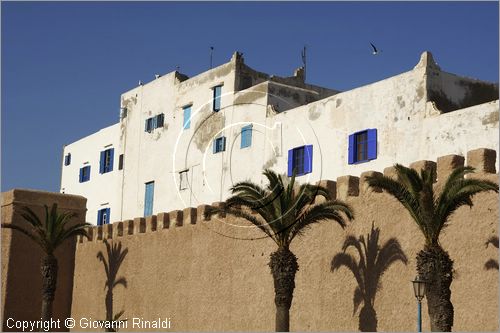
{"x": 432, "y": 212}
{"x": 111, "y": 266}
{"x": 373, "y": 262}
{"x": 492, "y": 263}
{"x": 48, "y": 235}
{"x": 282, "y": 213}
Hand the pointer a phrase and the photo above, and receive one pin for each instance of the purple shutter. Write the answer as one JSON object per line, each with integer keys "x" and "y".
{"x": 290, "y": 163}
{"x": 308, "y": 158}
{"x": 372, "y": 144}
{"x": 351, "y": 150}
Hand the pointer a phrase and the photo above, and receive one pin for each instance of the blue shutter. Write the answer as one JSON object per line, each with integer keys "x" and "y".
{"x": 111, "y": 155}
{"x": 308, "y": 159}
{"x": 223, "y": 143}
{"x": 215, "y": 146}
{"x": 108, "y": 215}
{"x": 153, "y": 123}
{"x": 217, "y": 93}
{"x": 88, "y": 172}
{"x": 159, "y": 120}
{"x": 187, "y": 117}
{"x": 148, "y": 199}
{"x": 99, "y": 217}
{"x": 290, "y": 163}
{"x": 81, "y": 175}
{"x": 146, "y": 127}
{"x": 101, "y": 162}
{"x": 372, "y": 144}
{"x": 246, "y": 136}
{"x": 351, "y": 150}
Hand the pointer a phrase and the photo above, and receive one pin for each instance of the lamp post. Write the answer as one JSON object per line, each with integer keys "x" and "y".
{"x": 419, "y": 289}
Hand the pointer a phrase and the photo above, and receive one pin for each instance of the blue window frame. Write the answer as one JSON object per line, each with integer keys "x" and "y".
{"x": 362, "y": 146}
{"x": 187, "y": 117}
{"x": 246, "y": 136}
{"x": 106, "y": 160}
{"x": 148, "y": 198}
{"x": 217, "y": 96}
{"x": 219, "y": 144}
{"x": 84, "y": 174}
{"x": 154, "y": 122}
{"x": 300, "y": 160}
{"x": 67, "y": 159}
{"x": 103, "y": 216}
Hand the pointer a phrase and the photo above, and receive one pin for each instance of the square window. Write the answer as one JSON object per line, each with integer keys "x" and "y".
{"x": 220, "y": 144}
{"x": 217, "y": 97}
{"x": 300, "y": 160}
{"x": 85, "y": 174}
{"x": 103, "y": 216}
{"x": 106, "y": 161}
{"x": 362, "y": 146}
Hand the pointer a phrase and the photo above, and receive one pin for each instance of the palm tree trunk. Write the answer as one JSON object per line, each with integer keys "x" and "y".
{"x": 436, "y": 267}
{"x": 283, "y": 266}
{"x": 367, "y": 319}
{"x": 49, "y": 282}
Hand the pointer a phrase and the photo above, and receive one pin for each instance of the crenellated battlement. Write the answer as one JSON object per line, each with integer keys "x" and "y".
{"x": 344, "y": 188}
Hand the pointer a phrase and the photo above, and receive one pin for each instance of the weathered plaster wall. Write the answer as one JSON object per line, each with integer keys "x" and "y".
{"x": 85, "y": 152}
{"x": 285, "y": 113}
{"x": 21, "y": 278}
{"x": 213, "y": 275}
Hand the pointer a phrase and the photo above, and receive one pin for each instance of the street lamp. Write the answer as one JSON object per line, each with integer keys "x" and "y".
{"x": 419, "y": 289}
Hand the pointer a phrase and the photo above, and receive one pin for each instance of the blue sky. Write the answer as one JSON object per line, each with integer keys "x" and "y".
{"x": 65, "y": 64}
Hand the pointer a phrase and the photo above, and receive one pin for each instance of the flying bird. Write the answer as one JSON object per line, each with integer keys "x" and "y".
{"x": 375, "y": 51}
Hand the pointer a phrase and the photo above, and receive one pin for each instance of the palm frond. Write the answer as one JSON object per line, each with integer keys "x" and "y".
{"x": 347, "y": 260}
{"x": 328, "y": 210}
{"x": 24, "y": 232}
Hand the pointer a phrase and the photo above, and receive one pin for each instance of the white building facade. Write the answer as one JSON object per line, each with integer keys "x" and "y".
{"x": 182, "y": 142}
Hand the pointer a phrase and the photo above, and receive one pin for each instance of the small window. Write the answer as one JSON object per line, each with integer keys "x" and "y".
{"x": 84, "y": 174}
{"x": 187, "y": 117}
{"x": 219, "y": 144}
{"x": 217, "y": 97}
{"x": 183, "y": 179}
{"x": 300, "y": 160}
{"x": 246, "y": 136}
{"x": 362, "y": 146}
{"x": 67, "y": 159}
{"x": 103, "y": 216}
{"x": 106, "y": 160}
{"x": 148, "y": 199}
{"x": 154, "y": 122}
{"x": 120, "y": 162}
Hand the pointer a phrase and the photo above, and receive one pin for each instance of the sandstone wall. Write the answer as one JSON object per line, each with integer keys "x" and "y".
{"x": 21, "y": 277}
{"x": 213, "y": 275}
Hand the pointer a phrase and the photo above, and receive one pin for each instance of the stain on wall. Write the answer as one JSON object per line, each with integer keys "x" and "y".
{"x": 207, "y": 127}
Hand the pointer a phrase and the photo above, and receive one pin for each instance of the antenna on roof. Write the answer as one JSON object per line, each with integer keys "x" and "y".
{"x": 211, "y": 54}
{"x": 303, "y": 54}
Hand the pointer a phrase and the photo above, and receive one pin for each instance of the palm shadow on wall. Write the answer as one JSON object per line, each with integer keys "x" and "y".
{"x": 492, "y": 263}
{"x": 368, "y": 270}
{"x": 115, "y": 256}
